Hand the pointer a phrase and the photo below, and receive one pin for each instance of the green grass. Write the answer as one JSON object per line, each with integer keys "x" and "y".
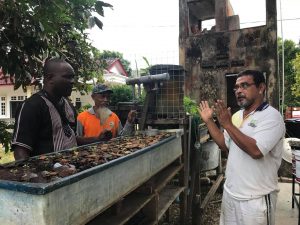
{"x": 6, "y": 157}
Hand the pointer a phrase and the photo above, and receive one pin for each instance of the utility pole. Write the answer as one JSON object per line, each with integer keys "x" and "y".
{"x": 282, "y": 97}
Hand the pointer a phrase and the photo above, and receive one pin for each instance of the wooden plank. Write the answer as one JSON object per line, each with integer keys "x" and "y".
{"x": 185, "y": 177}
{"x": 166, "y": 176}
{"x": 196, "y": 200}
{"x": 150, "y": 210}
{"x": 211, "y": 192}
{"x": 168, "y": 215}
{"x": 156, "y": 183}
{"x": 193, "y": 182}
{"x": 130, "y": 206}
{"x": 148, "y": 222}
{"x": 167, "y": 197}
{"x": 166, "y": 121}
{"x": 148, "y": 101}
{"x": 146, "y": 188}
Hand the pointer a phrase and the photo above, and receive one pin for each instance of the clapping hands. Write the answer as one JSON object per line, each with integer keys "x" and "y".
{"x": 222, "y": 112}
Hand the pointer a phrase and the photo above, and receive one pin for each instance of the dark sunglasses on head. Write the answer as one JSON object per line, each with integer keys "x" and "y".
{"x": 243, "y": 86}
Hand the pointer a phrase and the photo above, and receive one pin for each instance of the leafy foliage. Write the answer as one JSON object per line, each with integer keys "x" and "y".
{"x": 5, "y": 135}
{"x": 296, "y": 85}
{"x": 190, "y": 106}
{"x": 113, "y": 55}
{"x": 290, "y": 52}
{"x": 121, "y": 93}
{"x": 141, "y": 99}
{"x": 145, "y": 71}
{"x": 84, "y": 108}
{"x": 33, "y": 30}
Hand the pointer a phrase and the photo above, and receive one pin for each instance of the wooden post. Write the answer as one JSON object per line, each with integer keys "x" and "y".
{"x": 148, "y": 100}
{"x": 184, "y": 175}
{"x": 151, "y": 210}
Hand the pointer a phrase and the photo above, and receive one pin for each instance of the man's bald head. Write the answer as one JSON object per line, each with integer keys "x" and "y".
{"x": 58, "y": 77}
{"x": 52, "y": 66}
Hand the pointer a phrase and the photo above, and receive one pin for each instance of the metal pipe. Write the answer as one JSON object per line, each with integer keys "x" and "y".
{"x": 148, "y": 79}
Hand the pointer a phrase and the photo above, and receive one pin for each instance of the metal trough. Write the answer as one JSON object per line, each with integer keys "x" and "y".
{"x": 78, "y": 198}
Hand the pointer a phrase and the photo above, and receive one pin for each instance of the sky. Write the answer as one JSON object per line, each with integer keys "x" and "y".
{"x": 150, "y": 28}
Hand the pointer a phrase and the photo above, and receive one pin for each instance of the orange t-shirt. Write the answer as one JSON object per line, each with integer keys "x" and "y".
{"x": 93, "y": 128}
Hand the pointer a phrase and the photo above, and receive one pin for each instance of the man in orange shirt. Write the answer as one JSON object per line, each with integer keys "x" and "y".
{"x": 99, "y": 120}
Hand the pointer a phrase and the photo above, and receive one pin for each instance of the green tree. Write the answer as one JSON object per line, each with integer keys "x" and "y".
{"x": 290, "y": 52}
{"x": 121, "y": 93}
{"x": 145, "y": 71}
{"x": 296, "y": 85}
{"x": 5, "y": 135}
{"x": 106, "y": 54}
{"x": 33, "y": 30}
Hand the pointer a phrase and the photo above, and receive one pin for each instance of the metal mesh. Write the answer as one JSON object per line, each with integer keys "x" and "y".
{"x": 169, "y": 95}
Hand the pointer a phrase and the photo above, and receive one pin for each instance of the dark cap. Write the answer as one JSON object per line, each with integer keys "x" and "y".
{"x": 101, "y": 88}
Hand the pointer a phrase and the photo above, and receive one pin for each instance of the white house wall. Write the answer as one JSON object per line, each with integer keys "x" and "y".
{"x": 7, "y": 94}
{"x": 114, "y": 70}
{"x": 114, "y": 78}
{"x": 84, "y": 99}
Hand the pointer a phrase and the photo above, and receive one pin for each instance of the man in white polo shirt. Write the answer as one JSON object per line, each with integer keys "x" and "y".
{"x": 253, "y": 136}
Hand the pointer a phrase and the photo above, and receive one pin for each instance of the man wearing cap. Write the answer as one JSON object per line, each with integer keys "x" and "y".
{"x": 100, "y": 121}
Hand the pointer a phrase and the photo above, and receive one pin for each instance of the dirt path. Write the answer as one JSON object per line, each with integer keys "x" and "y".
{"x": 211, "y": 214}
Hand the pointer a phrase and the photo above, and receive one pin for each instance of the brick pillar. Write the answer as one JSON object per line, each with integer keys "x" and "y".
{"x": 220, "y": 10}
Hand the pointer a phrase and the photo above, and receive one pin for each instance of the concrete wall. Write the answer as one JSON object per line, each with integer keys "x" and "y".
{"x": 211, "y": 55}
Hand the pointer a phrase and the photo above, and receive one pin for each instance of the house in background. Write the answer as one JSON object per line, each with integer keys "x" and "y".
{"x": 10, "y": 98}
{"x": 114, "y": 74}
{"x": 115, "y": 66}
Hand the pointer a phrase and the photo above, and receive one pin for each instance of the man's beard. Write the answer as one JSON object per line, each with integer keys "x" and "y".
{"x": 103, "y": 113}
{"x": 245, "y": 103}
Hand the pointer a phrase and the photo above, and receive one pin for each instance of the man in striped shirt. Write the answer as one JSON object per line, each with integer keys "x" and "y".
{"x": 46, "y": 122}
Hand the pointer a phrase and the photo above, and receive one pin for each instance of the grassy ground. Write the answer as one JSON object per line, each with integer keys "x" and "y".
{"x": 5, "y": 157}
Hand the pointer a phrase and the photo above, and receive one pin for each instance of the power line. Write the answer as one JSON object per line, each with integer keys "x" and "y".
{"x": 164, "y": 26}
{"x": 264, "y": 21}
{"x": 289, "y": 19}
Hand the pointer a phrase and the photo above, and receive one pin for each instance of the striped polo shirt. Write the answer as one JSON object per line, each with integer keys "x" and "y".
{"x": 40, "y": 128}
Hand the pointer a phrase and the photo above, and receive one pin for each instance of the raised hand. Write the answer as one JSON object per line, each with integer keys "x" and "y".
{"x": 131, "y": 116}
{"x": 223, "y": 113}
{"x": 205, "y": 112}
